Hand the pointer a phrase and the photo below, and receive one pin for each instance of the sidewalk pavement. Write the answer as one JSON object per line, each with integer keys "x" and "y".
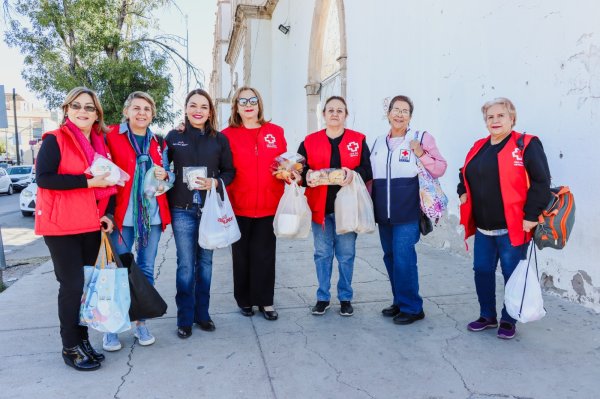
{"x": 304, "y": 356}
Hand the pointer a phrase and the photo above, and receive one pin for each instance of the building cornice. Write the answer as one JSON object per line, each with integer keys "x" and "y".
{"x": 244, "y": 12}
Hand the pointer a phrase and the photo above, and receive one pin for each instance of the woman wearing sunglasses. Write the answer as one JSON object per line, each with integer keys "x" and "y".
{"x": 198, "y": 144}
{"x": 139, "y": 220}
{"x": 254, "y": 195}
{"x": 70, "y": 213}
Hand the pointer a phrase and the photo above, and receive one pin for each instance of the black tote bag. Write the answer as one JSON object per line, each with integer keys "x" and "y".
{"x": 146, "y": 302}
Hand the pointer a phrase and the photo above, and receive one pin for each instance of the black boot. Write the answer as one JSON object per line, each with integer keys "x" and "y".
{"x": 87, "y": 347}
{"x": 77, "y": 358}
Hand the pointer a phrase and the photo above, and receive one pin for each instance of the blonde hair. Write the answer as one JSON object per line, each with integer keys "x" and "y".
{"x": 512, "y": 111}
{"x": 76, "y": 92}
{"x": 235, "y": 120}
{"x": 141, "y": 95}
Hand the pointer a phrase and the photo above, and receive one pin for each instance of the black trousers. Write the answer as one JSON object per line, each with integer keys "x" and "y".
{"x": 69, "y": 254}
{"x": 254, "y": 262}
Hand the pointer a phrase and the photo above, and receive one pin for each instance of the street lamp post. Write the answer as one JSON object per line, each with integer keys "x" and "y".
{"x": 187, "y": 49}
{"x": 16, "y": 129}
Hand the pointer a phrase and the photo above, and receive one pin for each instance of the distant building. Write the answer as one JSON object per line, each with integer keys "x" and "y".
{"x": 32, "y": 122}
{"x": 449, "y": 57}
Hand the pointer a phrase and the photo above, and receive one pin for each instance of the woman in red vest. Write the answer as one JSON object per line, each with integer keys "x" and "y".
{"x": 339, "y": 148}
{"x": 254, "y": 195}
{"x": 504, "y": 186}
{"x": 70, "y": 212}
{"x": 140, "y": 220}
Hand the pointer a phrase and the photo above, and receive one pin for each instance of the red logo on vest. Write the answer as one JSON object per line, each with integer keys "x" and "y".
{"x": 353, "y": 148}
{"x": 271, "y": 141}
{"x": 516, "y": 154}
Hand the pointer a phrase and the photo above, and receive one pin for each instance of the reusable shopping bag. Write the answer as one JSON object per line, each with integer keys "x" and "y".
{"x": 293, "y": 215}
{"x": 354, "y": 208}
{"x": 218, "y": 226}
{"x": 154, "y": 187}
{"x": 523, "y": 293}
{"x": 432, "y": 197}
{"x": 105, "y": 300}
{"x": 146, "y": 302}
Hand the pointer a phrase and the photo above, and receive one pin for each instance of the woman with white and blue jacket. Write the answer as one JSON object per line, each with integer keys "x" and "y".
{"x": 397, "y": 209}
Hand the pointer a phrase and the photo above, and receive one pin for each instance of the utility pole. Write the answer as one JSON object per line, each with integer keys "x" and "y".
{"x": 187, "y": 54}
{"x": 16, "y": 129}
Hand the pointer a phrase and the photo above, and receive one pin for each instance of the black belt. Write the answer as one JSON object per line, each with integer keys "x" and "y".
{"x": 186, "y": 206}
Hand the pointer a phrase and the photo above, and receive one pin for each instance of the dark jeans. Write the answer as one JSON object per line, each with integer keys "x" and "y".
{"x": 254, "y": 262}
{"x": 400, "y": 258}
{"x": 194, "y": 268}
{"x": 69, "y": 254}
{"x": 488, "y": 250}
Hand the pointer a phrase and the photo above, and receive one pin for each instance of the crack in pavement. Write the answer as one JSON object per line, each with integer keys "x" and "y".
{"x": 331, "y": 366}
{"x": 461, "y": 332}
{"x": 262, "y": 355}
{"x": 124, "y": 376}
{"x": 371, "y": 266}
{"x": 164, "y": 257}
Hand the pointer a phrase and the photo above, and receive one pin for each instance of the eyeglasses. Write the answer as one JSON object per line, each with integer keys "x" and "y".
{"x": 398, "y": 111}
{"x": 245, "y": 101}
{"x": 87, "y": 108}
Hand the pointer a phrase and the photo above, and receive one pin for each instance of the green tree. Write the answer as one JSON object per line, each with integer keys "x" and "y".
{"x": 101, "y": 44}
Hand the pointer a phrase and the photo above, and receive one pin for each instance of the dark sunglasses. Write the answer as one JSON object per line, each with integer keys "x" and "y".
{"x": 77, "y": 107}
{"x": 245, "y": 101}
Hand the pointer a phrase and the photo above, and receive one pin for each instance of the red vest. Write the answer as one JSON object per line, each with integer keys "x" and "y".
{"x": 66, "y": 212}
{"x": 255, "y": 192}
{"x": 318, "y": 152}
{"x": 514, "y": 184}
{"x": 124, "y": 156}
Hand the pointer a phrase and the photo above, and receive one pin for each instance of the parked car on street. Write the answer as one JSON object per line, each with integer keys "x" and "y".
{"x": 6, "y": 186}
{"x": 21, "y": 176}
{"x": 27, "y": 199}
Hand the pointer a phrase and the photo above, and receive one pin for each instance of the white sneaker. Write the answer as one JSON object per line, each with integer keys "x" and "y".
{"x": 111, "y": 343}
{"x": 143, "y": 335}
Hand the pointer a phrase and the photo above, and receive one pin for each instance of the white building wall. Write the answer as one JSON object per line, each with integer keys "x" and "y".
{"x": 451, "y": 58}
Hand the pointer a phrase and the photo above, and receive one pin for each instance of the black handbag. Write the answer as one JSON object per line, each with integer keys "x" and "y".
{"x": 146, "y": 302}
{"x": 425, "y": 225}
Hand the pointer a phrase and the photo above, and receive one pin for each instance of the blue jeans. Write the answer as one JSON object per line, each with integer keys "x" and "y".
{"x": 194, "y": 268}
{"x": 328, "y": 243}
{"x": 145, "y": 255}
{"x": 488, "y": 250}
{"x": 400, "y": 259}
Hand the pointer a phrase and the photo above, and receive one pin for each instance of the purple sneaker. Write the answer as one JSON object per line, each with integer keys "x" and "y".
{"x": 482, "y": 323}
{"x": 507, "y": 330}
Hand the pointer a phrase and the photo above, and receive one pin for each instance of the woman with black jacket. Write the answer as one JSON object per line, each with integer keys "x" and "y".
{"x": 199, "y": 144}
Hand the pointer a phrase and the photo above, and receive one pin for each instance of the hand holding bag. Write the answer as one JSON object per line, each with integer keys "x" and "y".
{"x": 523, "y": 293}
{"x": 106, "y": 299}
{"x": 293, "y": 216}
{"x": 218, "y": 226}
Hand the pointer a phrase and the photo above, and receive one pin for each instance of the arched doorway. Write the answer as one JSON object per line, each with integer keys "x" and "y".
{"x": 327, "y": 58}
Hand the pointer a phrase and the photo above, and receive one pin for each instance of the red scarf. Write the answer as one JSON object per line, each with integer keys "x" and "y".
{"x": 90, "y": 147}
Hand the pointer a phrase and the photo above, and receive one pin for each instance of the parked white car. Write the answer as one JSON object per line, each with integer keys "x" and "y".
{"x": 6, "y": 186}
{"x": 27, "y": 199}
{"x": 21, "y": 176}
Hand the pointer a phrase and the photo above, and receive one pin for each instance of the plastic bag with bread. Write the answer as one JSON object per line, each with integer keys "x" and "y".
{"x": 284, "y": 164}
{"x": 326, "y": 177}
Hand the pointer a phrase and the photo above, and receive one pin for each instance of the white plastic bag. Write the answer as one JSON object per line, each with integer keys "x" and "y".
{"x": 366, "y": 213}
{"x": 354, "y": 208}
{"x": 154, "y": 187}
{"x": 523, "y": 294}
{"x": 293, "y": 216}
{"x": 218, "y": 226}
{"x": 102, "y": 165}
{"x": 346, "y": 209}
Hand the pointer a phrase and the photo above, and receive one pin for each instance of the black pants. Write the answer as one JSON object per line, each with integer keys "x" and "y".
{"x": 69, "y": 254}
{"x": 254, "y": 262}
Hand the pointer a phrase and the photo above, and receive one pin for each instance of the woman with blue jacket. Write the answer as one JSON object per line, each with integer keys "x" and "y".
{"x": 397, "y": 208}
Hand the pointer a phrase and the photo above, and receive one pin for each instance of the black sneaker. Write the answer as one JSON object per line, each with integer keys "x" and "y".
{"x": 346, "y": 308}
{"x": 320, "y": 308}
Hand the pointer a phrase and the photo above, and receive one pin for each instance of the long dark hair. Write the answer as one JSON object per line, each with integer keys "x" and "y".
{"x": 210, "y": 127}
